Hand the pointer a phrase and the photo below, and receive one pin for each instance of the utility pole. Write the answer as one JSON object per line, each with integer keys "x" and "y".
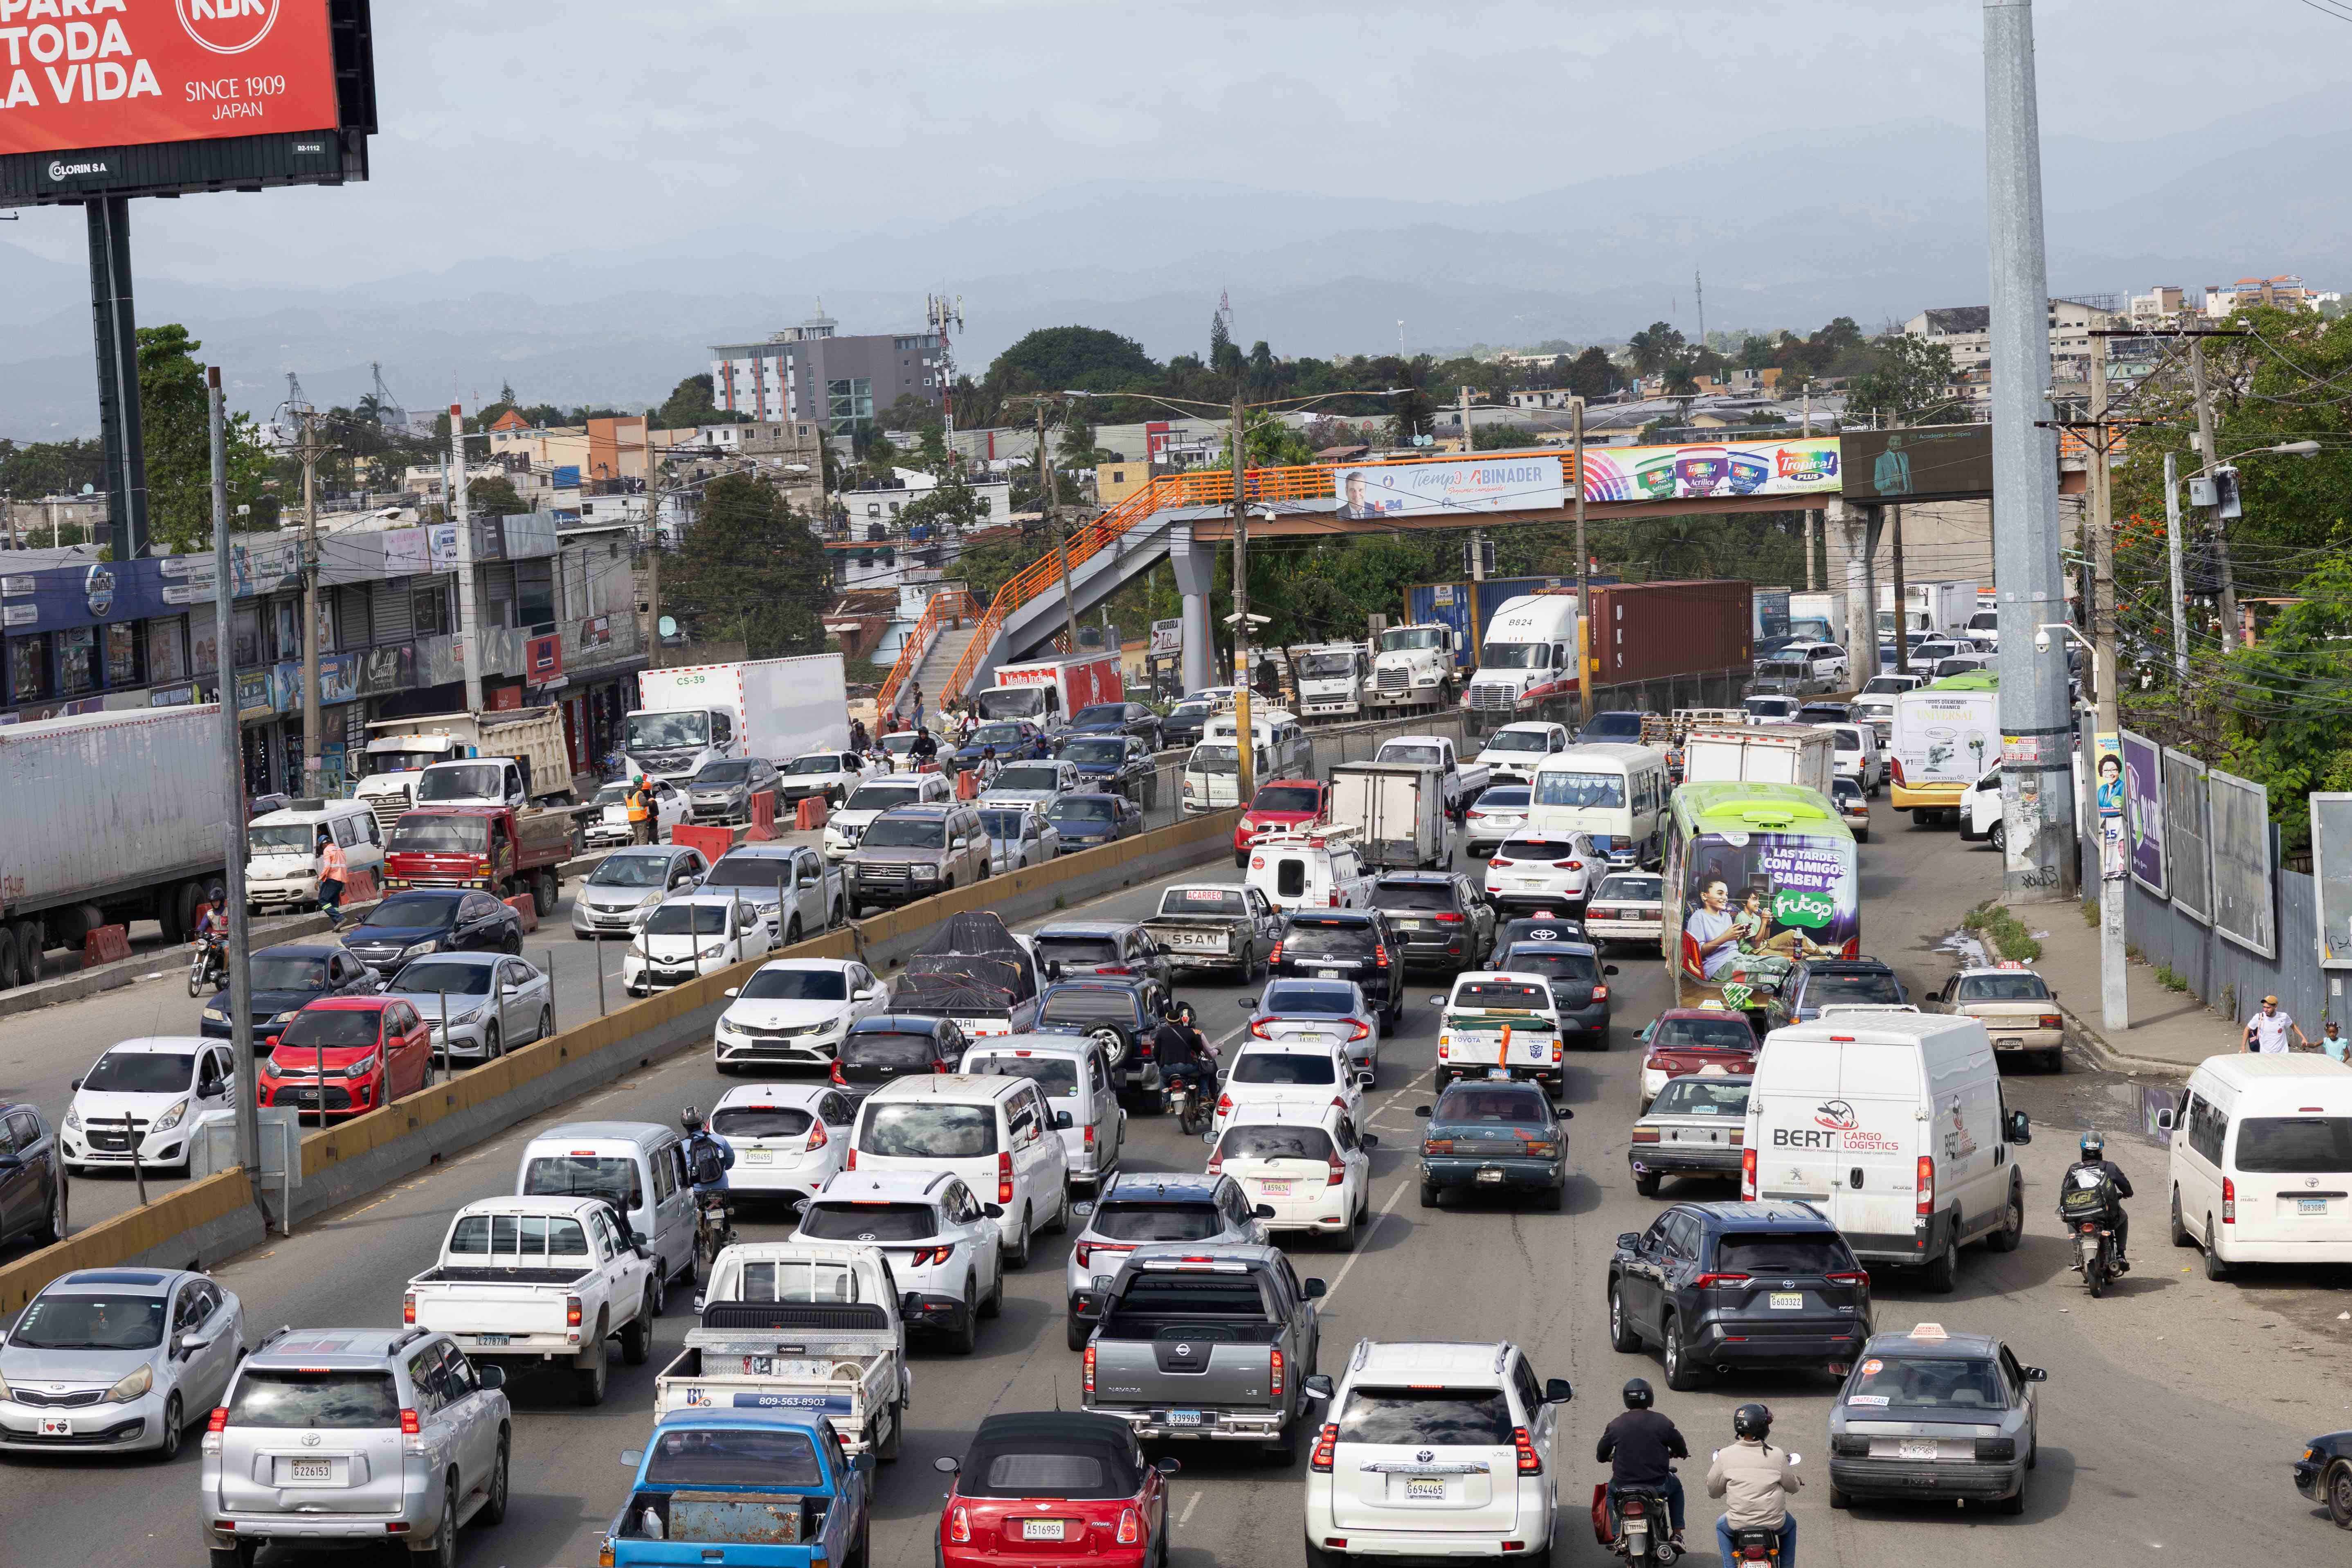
{"x": 2173, "y": 550}
{"x": 1812, "y": 514}
{"x": 237, "y": 959}
{"x": 2037, "y": 738}
{"x": 1902, "y": 632}
{"x": 1050, "y": 481}
{"x": 1583, "y": 568}
{"x": 653, "y": 554}
{"x": 313, "y": 771}
{"x": 470, "y": 625}
{"x": 1245, "y": 738}
{"x": 2212, "y": 459}
{"x": 2115, "y": 1003}
{"x": 1477, "y": 535}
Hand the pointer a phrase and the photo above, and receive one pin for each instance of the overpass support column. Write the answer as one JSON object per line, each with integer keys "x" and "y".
{"x": 1195, "y": 566}
{"x": 1845, "y": 540}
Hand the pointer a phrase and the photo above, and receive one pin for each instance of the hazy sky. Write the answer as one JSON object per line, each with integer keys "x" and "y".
{"x": 615, "y": 126}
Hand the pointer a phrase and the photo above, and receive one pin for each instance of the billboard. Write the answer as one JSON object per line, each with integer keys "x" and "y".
{"x": 1800, "y": 465}
{"x": 2331, "y": 868}
{"x": 2238, "y": 832}
{"x": 2184, "y": 836}
{"x": 159, "y": 97}
{"x": 2144, "y": 811}
{"x": 1759, "y": 903}
{"x": 1442, "y": 489}
{"x": 1937, "y": 462}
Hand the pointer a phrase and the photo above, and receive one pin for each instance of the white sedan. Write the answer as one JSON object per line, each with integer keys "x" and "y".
{"x": 790, "y": 1138}
{"x": 1303, "y": 1160}
{"x": 792, "y": 1013}
{"x": 1625, "y": 908}
{"x": 608, "y": 817}
{"x": 688, "y": 937}
{"x": 162, "y": 1083}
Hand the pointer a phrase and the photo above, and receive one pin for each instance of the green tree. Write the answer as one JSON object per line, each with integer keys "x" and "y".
{"x": 1501, "y": 437}
{"x": 1911, "y": 384}
{"x": 1077, "y": 444}
{"x": 1224, "y": 359}
{"x": 495, "y": 497}
{"x": 1592, "y": 374}
{"x": 1656, "y": 347}
{"x": 1052, "y": 358}
{"x": 750, "y": 568}
{"x": 694, "y": 400}
{"x": 177, "y": 431}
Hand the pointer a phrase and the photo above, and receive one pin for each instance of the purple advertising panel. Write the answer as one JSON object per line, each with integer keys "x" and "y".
{"x": 2144, "y": 811}
{"x": 1757, "y": 904}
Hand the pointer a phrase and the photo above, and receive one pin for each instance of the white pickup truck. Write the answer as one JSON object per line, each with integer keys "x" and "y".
{"x": 813, "y": 1327}
{"x": 1465, "y": 782}
{"x": 539, "y": 1279}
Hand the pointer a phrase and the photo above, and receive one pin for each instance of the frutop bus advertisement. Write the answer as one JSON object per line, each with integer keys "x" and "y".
{"x": 1753, "y": 905}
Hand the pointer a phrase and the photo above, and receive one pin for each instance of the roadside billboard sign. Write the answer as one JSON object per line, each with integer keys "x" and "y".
{"x": 2331, "y": 868}
{"x": 2184, "y": 836}
{"x": 1500, "y": 483}
{"x": 1695, "y": 469}
{"x": 2238, "y": 829}
{"x": 2144, "y": 811}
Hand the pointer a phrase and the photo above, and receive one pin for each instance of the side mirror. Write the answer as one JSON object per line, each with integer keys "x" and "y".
{"x": 76, "y": 1085}
{"x": 910, "y": 1304}
{"x": 1366, "y": 1079}
{"x": 1062, "y": 1120}
{"x": 867, "y": 994}
{"x": 1319, "y": 1386}
{"x": 632, "y": 1457}
{"x": 1565, "y": 1113}
{"x": 863, "y": 1463}
{"x": 734, "y": 991}
{"x": 1608, "y": 969}
{"x": 1316, "y": 1289}
{"x": 1423, "y": 1111}
{"x": 1439, "y": 1001}
{"x": 947, "y": 1463}
{"x": 2036, "y": 1375}
{"x": 1167, "y": 1465}
{"x": 994, "y": 1211}
{"x": 1263, "y": 1211}
{"x": 639, "y": 1239}
{"x": 493, "y": 1377}
{"x": 2021, "y": 1129}
{"x": 1370, "y": 1141}
{"x": 1629, "y": 1241}
{"x": 1248, "y": 1004}
{"x": 1557, "y": 1391}
{"x": 2164, "y": 1120}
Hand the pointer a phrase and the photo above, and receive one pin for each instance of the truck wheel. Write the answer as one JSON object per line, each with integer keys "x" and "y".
{"x": 548, "y": 893}
{"x": 637, "y": 1335}
{"x": 32, "y": 945}
{"x": 588, "y": 1384}
{"x": 1943, "y": 1272}
{"x": 886, "y": 1450}
{"x": 9, "y": 975}
{"x": 857, "y": 1557}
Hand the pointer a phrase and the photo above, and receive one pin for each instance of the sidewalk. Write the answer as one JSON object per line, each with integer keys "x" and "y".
{"x": 2171, "y": 1031}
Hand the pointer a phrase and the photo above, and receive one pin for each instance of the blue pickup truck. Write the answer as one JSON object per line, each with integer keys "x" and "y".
{"x": 746, "y": 1489}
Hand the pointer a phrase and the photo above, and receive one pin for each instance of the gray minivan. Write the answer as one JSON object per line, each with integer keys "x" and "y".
{"x": 640, "y": 1167}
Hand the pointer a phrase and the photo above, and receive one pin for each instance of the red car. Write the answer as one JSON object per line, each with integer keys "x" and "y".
{"x": 1279, "y": 805}
{"x": 374, "y": 1049}
{"x": 1691, "y": 1039}
{"x": 1054, "y": 1487}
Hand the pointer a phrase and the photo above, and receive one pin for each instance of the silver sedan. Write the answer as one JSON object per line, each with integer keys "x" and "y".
{"x": 1327, "y": 1010}
{"x": 494, "y": 1003}
{"x": 117, "y": 1359}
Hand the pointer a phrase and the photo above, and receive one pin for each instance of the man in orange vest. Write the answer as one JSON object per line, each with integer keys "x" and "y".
{"x": 334, "y": 869}
{"x": 641, "y": 812}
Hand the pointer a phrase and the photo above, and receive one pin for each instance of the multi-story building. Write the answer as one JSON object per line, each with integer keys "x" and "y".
{"x": 811, "y": 373}
{"x": 1967, "y": 331}
{"x": 2284, "y": 292}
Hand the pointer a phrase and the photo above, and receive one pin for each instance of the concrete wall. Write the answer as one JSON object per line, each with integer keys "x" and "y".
{"x": 2229, "y": 979}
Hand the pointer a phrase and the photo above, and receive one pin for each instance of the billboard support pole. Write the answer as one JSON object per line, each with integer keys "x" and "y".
{"x": 469, "y": 624}
{"x": 1583, "y": 571}
{"x": 116, "y": 324}
{"x": 2114, "y": 997}
{"x": 236, "y": 960}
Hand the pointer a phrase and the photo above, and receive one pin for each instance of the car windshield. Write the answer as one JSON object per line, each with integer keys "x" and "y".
{"x": 1203, "y": 901}
{"x": 797, "y": 985}
{"x": 1411, "y": 755}
{"x": 750, "y": 872}
{"x": 477, "y": 782}
{"x": 1216, "y": 758}
{"x": 423, "y": 833}
{"x": 411, "y": 912}
{"x": 732, "y": 1457}
{"x": 1503, "y": 798}
{"x": 1612, "y": 727}
{"x": 1314, "y": 939}
{"x": 1413, "y": 895}
{"x": 1328, "y": 1001}
{"x": 1780, "y": 669}
{"x": 1772, "y": 706}
{"x": 1515, "y": 656}
{"x": 1005, "y": 827}
{"x": 1188, "y": 710}
{"x": 1006, "y": 733}
{"x": 1095, "y": 749}
{"x": 142, "y": 1072}
{"x": 1520, "y": 740}
{"x": 1515, "y": 1106}
{"x": 287, "y": 1399}
{"x": 1934, "y": 1383}
{"x": 1702, "y": 1034}
{"x": 1056, "y": 1077}
{"x": 907, "y": 833}
{"x": 1077, "y": 950}
{"x": 335, "y": 1027}
{"x": 630, "y": 872}
{"x": 1504, "y": 993}
{"x": 883, "y": 1222}
{"x": 664, "y": 731}
{"x": 732, "y": 770}
{"x": 1559, "y": 786}
{"x": 2002, "y": 988}
{"x": 283, "y": 972}
{"x": 611, "y": 1177}
{"x": 1525, "y": 849}
{"x": 1411, "y": 636}
{"x": 1629, "y": 891}
{"x": 1887, "y": 685}
{"x": 822, "y": 762}
{"x": 65, "y": 1321}
{"x": 1442, "y": 1417}
{"x": 686, "y": 920}
{"x": 1087, "y": 1004}
{"x": 1095, "y": 713}
{"x": 2295, "y": 1145}
{"x": 881, "y": 797}
{"x": 1045, "y": 777}
{"x": 1158, "y": 1222}
{"x": 1320, "y": 665}
{"x": 1081, "y": 809}
{"x": 1275, "y": 1144}
{"x": 1701, "y": 1097}
{"x": 1821, "y": 990}
{"x": 895, "y": 1131}
{"x": 761, "y": 1121}
{"x": 899, "y": 742}
{"x": 429, "y": 975}
{"x": 1750, "y": 1252}
{"x": 1304, "y": 1067}
{"x": 281, "y": 838}
{"x": 887, "y": 1048}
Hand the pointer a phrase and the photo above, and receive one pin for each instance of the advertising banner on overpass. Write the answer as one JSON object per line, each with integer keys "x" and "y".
{"x": 1515, "y": 483}
{"x": 1800, "y": 465}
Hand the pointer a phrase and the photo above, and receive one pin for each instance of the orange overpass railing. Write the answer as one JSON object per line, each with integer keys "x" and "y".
{"x": 941, "y": 608}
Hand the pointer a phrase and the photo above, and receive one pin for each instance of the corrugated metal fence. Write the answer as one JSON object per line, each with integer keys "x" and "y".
{"x": 2228, "y": 977}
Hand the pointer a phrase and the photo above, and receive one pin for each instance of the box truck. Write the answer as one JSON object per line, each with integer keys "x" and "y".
{"x": 398, "y": 749}
{"x": 1764, "y": 753}
{"x": 1397, "y": 808}
{"x": 771, "y": 708}
{"x": 1046, "y": 691}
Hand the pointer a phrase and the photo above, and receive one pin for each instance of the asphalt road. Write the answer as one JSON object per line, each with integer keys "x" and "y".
{"x": 2173, "y": 1406}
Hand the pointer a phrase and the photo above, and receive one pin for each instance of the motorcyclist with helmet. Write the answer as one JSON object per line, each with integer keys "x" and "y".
{"x": 1639, "y": 1448}
{"x": 1751, "y": 1475}
{"x": 709, "y": 1158}
{"x": 1179, "y": 1050}
{"x": 2096, "y": 1164}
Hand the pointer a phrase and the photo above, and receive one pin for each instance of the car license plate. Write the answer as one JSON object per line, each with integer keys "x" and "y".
{"x": 492, "y": 1339}
{"x": 1041, "y": 1528}
{"x": 1914, "y": 1450}
{"x": 1277, "y": 1189}
{"x": 1186, "y": 1418}
{"x": 306, "y": 1096}
{"x": 1424, "y": 1488}
{"x": 1490, "y": 1175}
{"x": 1527, "y": 882}
{"x": 55, "y": 1427}
{"x": 759, "y": 1156}
{"x": 2310, "y": 1205}
{"x": 309, "y": 1469}
{"x": 1333, "y": 968}
{"x": 1788, "y": 1301}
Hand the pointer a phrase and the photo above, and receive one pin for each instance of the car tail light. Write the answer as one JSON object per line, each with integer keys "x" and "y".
{"x": 1449, "y": 918}
{"x": 1747, "y": 1175}
{"x": 1005, "y": 1178}
{"x": 1217, "y": 1159}
{"x": 1996, "y": 1451}
{"x": 1645, "y": 1135}
{"x": 572, "y": 1312}
{"x": 1339, "y": 1170}
{"x": 836, "y": 1073}
{"x": 1363, "y": 1032}
{"x": 1924, "y": 1185}
{"x": 1326, "y": 1441}
{"x": 851, "y": 1162}
{"x": 409, "y": 1426}
{"x": 1601, "y": 994}
{"x": 1437, "y": 1146}
{"x": 817, "y": 1139}
{"x": 1274, "y": 1373}
{"x": 408, "y": 1307}
{"x": 1224, "y": 1105}
{"x": 1380, "y": 957}
{"x": 1530, "y": 1462}
{"x": 2052, "y": 1021}
{"x": 960, "y": 1524}
{"x": 1598, "y": 913}
{"x": 218, "y": 1422}
{"x": 1276, "y": 956}
{"x": 1090, "y": 1371}
{"x": 1713, "y": 1282}
{"x": 1131, "y": 1527}
{"x": 1090, "y": 1135}
{"x": 1857, "y": 1277}
{"x": 1333, "y": 901}
{"x": 1499, "y": 860}
{"x": 1567, "y": 865}
{"x": 2228, "y": 1201}
{"x": 1738, "y": 1136}
{"x": 1898, "y": 771}
{"x": 1257, "y": 1028}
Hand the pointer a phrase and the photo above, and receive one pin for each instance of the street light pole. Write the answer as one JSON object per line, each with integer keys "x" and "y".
{"x": 2115, "y": 1001}
{"x": 236, "y": 960}
{"x": 1244, "y": 740}
{"x": 2213, "y": 460}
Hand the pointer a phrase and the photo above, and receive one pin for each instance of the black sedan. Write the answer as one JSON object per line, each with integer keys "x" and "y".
{"x": 1184, "y": 722}
{"x": 2324, "y": 1474}
{"x": 1119, "y": 719}
{"x": 1486, "y": 1136}
{"x": 286, "y": 979}
{"x": 1580, "y": 986}
{"x": 434, "y": 920}
{"x": 890, "y": 1046}
{"x": 1091, "y": 821}
{"x": 1740, "y": 1285}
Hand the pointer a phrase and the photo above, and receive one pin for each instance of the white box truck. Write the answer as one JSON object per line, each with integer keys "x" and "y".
{"x": 114, "y": 817}
{"x": 1398, "y": 810}
{"x": 771, "y": 708}
{"x": 398, "y": 749}
{"x": 1930, "y": 609}
{"x": 1945, "y": 735}
{"x": 1817, "y": 618}
{"x": 1763, "y": 753}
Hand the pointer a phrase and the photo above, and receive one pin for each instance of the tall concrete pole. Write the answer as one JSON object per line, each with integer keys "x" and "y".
{"x": 1245, "y": 737}
{"x": 1583, "y": 573}
{"x": 313, "y": 768}
{"x": 236, "y": 960}
{"x": 2115, "y": 1003}
{"x": 2213, "y": 457}
{"x": 469, "y": 621}
{"x": 2173, "y": 550}
{"x": 2038, "y": 798}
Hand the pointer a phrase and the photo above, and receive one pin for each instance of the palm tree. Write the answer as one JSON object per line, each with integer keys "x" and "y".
{"x": 1653, "y": 346}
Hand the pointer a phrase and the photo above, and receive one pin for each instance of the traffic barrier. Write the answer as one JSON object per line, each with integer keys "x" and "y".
{"x": 810, "y": 813}
{"x": 359, "y": 886}
{"x": 763, "y": 819}
{"x": 967, "y": 785}
{"x": 526, "y": 907}
{"x": 712, "y": 841}
{"x": 105, "y": 944}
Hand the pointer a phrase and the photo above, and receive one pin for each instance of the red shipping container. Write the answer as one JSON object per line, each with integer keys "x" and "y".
{"x": 1647, "y": 631}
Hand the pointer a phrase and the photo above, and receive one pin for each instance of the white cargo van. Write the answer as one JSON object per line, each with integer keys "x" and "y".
{"x": 1893, "y": 1125}
{"x": 2262, "y": 1161}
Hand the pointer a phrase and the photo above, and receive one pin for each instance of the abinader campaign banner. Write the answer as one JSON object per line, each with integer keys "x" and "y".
{"x": 1512, "y": 483}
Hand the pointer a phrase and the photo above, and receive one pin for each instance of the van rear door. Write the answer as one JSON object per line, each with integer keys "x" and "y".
{"x": 2292, "y": 1166}
{"x": 1795, "y": 1118}
{"x": 1875, "y": 1188}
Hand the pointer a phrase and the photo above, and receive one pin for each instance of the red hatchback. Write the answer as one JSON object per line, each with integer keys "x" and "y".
{"x": 344, "y": 1056}
{"x": 1694, "y": 1039}
{"x": 1279, "y": 805}
{"x": 1054, "y": 1488}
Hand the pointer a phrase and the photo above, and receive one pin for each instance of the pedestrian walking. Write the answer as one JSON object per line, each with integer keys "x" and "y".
{"x": 2267, "y": 1030}
{"x": 333, "y": 871}
{"x": 2334, "y": 1043}
{"x": 919, "y": 704}
{"x": 641, "y": 812}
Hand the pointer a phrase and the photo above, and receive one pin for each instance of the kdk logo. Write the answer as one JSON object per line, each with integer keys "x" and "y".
{"x": 227, "y": 27}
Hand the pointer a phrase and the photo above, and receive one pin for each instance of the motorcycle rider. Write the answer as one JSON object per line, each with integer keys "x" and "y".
{"x": 1753, "y": 1473}
{"x": 2093, "y": 1152}
{"x": 212, "y": 936}
{"x": 709, "y": 1158}
{"x": 1639, "y": 1447}
{"x": 1178, "y": 1050}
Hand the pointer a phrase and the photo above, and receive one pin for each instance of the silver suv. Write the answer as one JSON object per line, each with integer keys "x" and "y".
{"x": 334, "y": 1438}
{"x": 911, "y": 852}
{"x": 1143, "y": 1207}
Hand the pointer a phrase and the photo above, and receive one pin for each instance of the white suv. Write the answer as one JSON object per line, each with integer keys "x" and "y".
{"x": 1433, "y": 1450}
{"x": 844, "y": 827}
{"x": 1543, "y": 871}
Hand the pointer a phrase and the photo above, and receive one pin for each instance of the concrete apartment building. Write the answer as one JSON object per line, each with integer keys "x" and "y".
{"x": 811, "y": 373}
{"x": 1967, "y": 331}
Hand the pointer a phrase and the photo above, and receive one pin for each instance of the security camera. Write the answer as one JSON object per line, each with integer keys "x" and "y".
{"x": 2041, "y": 642}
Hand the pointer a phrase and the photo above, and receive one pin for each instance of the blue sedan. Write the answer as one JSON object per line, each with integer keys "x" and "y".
{"x": 1014, "y": 740}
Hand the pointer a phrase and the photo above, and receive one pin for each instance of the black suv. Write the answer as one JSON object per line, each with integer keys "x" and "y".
{"x": 1443, "y": 921}
{"x": 1818, "y": 983}
{"x": 1346, "y": 944}
{"x": 890, "y": 1046}
{"x": 1121, "y": 1015}
{"x": 1725, "y": 1285}
{"x": 32, "y": 1192}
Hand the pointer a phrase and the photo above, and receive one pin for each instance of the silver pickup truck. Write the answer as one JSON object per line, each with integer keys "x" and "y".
{"x": 1211, "y": 1341}
{"x": 1216, "y": 925}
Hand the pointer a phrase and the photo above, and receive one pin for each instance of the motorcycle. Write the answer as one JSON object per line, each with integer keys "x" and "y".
{"x": 714, "y": 1229}
{"x": 1644, "y": 1527}
{"x": 207, "y": 966}
{"x": 1754, "y": 1546}
{"x": 1190, "y": 1105}
{"x": 2094, "y": 1254}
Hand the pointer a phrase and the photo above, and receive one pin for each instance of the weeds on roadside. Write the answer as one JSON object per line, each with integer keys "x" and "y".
{"x": 2004, "y": 931}
{"x": 2170, "y": 978}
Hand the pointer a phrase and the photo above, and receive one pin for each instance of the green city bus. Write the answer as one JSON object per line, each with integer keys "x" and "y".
{"x": 1758, "y": 877}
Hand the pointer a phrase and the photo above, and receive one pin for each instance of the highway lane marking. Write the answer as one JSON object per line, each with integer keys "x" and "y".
{"x": 1347, "y": 1267}
{"x": 1190, "y": 1504}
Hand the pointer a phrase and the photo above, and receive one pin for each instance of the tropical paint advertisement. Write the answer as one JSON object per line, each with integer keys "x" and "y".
{"x": 1803, "y": 466}
{"x": 1755, "y": 905}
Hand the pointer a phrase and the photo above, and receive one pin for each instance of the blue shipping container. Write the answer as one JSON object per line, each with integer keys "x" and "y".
{"x": 1450, "y": 603}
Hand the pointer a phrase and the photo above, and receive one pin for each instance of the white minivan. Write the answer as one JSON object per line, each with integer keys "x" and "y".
{"x": 2262, "y": 1161}
{"x": 637, "y": 1167}
{"x": 1073, "y": 1076}
{"x": 1613, "y": 793}
{"x": 997, "y": 1133}
{"x": 1892, "y": 1123}
{"x": 281, "y": 872}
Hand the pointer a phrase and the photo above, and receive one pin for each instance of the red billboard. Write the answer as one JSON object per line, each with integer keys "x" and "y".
{"x": 113, "y": 73}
